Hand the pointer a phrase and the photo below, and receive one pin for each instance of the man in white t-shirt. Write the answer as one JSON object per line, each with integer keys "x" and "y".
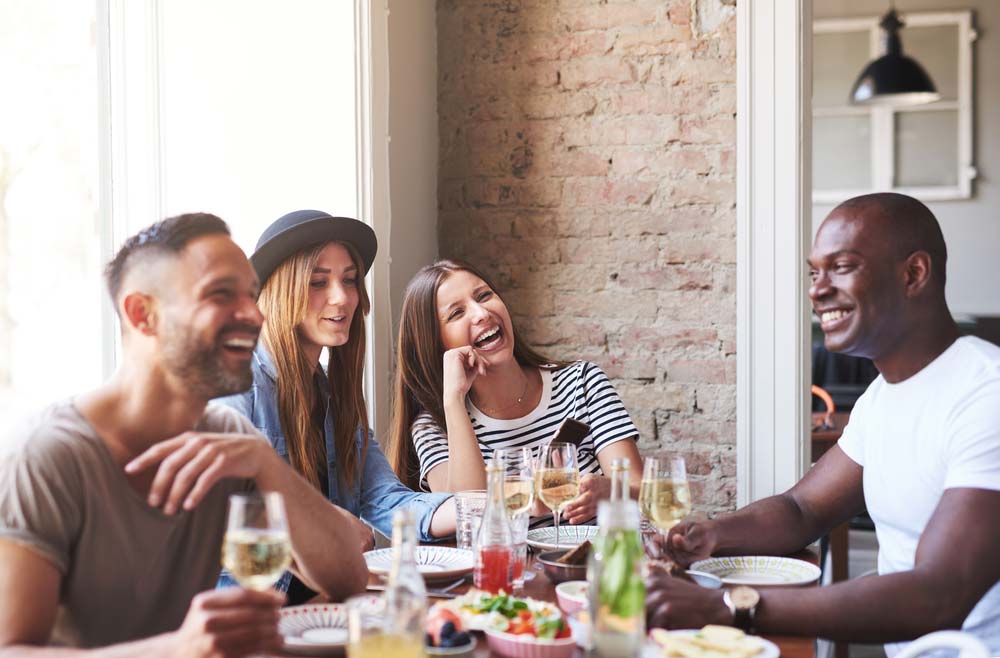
{"x": 921, "y": 452}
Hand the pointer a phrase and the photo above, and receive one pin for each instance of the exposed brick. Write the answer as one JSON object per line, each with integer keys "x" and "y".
{"x": 604, "y": 16}
{"x": 694, "y": 371}
{"x": 593, "y": 71}
{"x": 590, "y": 192}
{"x": 587, "y": 162}
{"x": 568, "y": 46}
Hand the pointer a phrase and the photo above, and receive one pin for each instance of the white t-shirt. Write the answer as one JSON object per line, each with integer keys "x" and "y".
{"x": 579, "y": 390}
{"x": 937, "y": 430}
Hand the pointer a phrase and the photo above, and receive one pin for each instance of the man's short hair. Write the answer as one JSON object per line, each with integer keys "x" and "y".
{"x": 169, "y": 236}
{"x": 911, "y": 224}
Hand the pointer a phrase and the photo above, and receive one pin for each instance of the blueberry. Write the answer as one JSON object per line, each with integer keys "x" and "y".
{"x": 447, "y": 629}
{"x": 460, "y": 639}
{"x": 428, "y": 639}
{"x": 447, "y": 642}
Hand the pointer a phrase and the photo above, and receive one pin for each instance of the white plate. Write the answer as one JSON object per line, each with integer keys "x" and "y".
{"x": 759, "y": 570}
{"x": 434, "y": 562}
{"x": 570, "y": 536}
{"x": 768, "y": 649}
{"x": 315, "y": 630}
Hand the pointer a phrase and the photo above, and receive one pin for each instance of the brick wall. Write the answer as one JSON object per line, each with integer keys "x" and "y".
{"x": 587, "y": 162}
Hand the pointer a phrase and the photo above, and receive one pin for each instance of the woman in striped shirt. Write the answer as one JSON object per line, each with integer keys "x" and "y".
{"x": 467, "y": 384}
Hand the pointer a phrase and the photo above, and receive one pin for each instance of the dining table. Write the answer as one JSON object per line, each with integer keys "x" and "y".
{"x": 538, "y": 586}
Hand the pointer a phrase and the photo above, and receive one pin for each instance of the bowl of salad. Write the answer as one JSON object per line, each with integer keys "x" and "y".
{"x": 528, "y": 629}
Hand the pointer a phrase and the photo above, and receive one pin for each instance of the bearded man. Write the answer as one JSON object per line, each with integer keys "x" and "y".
{"x": 113, "y": 503}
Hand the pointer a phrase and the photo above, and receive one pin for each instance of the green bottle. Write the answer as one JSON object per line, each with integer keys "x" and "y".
{"x": 614, "y": 573}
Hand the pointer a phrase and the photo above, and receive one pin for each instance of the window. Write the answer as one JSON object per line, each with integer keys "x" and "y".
{"x": 50, "y": 230}
{"x": 127, "y": 112}
{"x": 923, "y": 150}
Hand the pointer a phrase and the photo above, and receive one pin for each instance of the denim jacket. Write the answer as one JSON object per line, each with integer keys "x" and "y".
{"x": 375, "y": 494}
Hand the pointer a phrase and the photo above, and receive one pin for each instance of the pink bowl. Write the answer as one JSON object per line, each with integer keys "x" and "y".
{"x": 528, "y": 646}
{"x": 572, "y": 595}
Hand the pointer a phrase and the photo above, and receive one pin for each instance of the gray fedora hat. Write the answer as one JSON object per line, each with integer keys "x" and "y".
{"x": 297, "y": 230}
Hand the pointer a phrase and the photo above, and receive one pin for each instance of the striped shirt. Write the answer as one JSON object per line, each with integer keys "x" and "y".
{"x": 580, "y": 390}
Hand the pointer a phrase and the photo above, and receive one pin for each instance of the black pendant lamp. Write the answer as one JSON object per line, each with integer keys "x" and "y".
{"x": 893, "y": 78}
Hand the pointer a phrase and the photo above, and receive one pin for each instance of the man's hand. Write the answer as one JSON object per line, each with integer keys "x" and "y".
{"x": 690, "y": 541}
{"x": 229, "y": 623}
{"x": 593, "y": 489}
{"x": 461, "y": 367}
{"x": 193, "y": 462}
{"x": 675, "y": 603}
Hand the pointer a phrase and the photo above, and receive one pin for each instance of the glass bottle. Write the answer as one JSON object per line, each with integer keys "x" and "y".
{"x": 616, "y": 589}
{"x": 494, "y": 547}
{"x": 619, "y": 479}
{"x": 405, "y": 595}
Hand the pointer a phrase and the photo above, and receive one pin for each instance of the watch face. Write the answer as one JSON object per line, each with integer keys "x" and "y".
{"x": 744, "y": 597}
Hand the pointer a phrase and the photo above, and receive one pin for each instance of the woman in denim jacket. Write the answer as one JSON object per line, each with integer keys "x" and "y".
{"x": 311, "y": 268}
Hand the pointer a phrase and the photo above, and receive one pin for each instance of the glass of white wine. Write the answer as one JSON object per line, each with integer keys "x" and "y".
{"x": 257, "y": 549}
{"x": 518, "y": 465}
{"x": 664, "y": 495}
{"x": 518, "y": 482}
{"x": 557, "y": 479}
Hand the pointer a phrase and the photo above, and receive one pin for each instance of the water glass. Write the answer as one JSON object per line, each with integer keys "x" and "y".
{"x": 469, "y": 506}
{"x": 519, "y": 531}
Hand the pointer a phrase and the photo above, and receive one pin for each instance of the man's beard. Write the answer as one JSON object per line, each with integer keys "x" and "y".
{"x": 201, "y": 367}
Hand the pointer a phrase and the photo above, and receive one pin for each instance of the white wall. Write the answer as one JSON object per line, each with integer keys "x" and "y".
{"x": 413, "y": 149}
{"x": 971, "y": 227}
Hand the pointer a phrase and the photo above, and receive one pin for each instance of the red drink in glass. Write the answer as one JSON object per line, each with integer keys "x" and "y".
{"x": 494, "y": 570}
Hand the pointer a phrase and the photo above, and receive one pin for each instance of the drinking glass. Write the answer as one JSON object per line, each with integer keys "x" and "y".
{"x": 518, "y": 465}
{"x": 664, "y": 495}
{"x": 376, "y": 630}
{"x": 469, "y": 506}
{"x": 519, "y": 534}
{"x": 518, "y": 481}
{"x": 557, "y": 479}
{"x": 256, "y": 549}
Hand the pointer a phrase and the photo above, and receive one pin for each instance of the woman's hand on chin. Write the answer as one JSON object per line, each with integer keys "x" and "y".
{"x": 461, "y": 367}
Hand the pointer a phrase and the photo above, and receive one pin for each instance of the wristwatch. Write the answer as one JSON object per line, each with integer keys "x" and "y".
{"x": 742, "y": 601}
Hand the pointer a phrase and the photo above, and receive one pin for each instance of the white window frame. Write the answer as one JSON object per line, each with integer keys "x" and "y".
{"x": 883, "y": 118}
{"x": 372, "y": 121}
{"x": 773, "y": 215}
{"x": 133, "y": 180}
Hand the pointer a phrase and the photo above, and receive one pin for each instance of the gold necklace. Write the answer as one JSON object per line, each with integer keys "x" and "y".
{"x": 519, "y": 400}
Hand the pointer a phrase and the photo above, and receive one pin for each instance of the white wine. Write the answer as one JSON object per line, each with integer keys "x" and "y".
{"x": 664, "y": 501}
{"x": 518, "y": 494}
{"x": 387, "y": 646}
{"x": 256, "y": 558}
{"x": 556, "y": 487}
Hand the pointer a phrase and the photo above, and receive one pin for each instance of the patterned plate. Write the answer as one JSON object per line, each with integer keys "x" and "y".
{"x": 759, "y": 570}
{"x": 434, "y": 562}
{"x": 544, "y": 539}
{"x": 315, "y": 630}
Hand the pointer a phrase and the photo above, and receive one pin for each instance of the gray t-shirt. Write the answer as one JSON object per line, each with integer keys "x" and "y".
{"x": 128, "y": 571}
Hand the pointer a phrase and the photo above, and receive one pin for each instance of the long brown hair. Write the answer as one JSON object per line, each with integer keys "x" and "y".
{"x": 419, "y": 384}
{"x": 284, "y": 302}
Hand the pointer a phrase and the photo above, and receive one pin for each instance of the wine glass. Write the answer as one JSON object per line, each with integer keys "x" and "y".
{"x": 257, "y": 549}
{"x": 557, "y": 479}
{"x": 518, "y": 481}
{"x": 518, "y": 465}
{"x": 664, "y": 495}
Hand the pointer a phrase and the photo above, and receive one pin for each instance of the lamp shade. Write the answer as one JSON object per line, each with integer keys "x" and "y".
{"x": 893, "y": 78}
